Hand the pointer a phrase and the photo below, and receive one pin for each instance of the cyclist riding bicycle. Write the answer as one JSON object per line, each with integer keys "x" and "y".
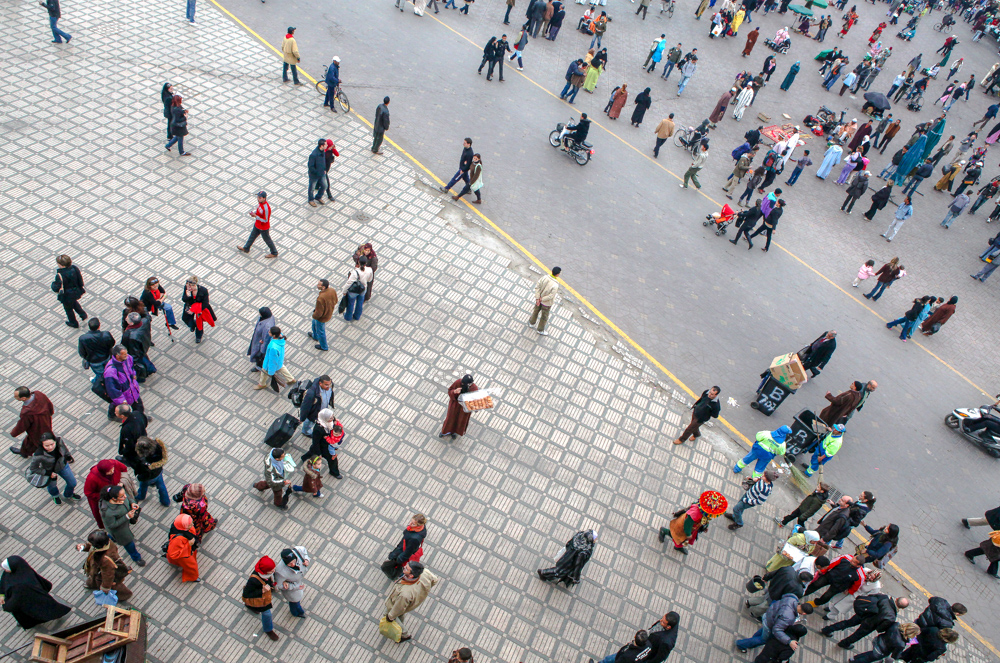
{"x": 332, "y": 82}
{"x": 579, "y": 132}
{"x": 947, "y": 21}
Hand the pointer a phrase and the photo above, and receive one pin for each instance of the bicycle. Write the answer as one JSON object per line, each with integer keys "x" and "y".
{"x": 668, "y": 7}
{"x": 338, "y": 94}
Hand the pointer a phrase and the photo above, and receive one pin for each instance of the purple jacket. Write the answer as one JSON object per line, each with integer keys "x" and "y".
{"x": 120, "y": 382}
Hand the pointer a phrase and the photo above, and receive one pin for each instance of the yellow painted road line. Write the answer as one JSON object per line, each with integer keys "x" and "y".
{"x": 583, "y": 300}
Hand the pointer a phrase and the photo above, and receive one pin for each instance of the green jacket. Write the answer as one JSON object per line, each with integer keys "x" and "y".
{"x": 769, "y": 444}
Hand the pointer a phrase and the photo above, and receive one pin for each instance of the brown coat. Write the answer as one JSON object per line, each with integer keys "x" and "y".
{"x": 102, "y": 576}
{"x": 940, "y": 316}
{"x": 326, "y": 304}
{"x": 751, "y": 40}
{"x": 311, "y": 482}
{"x": 35, "y": 419}
{"x": 665, "y": 129}
{"x": 457, "y": 419}
{"x": 840, "y": 406}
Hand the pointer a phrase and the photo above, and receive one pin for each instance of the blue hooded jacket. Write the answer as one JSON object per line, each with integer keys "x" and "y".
{"x": 274, "y": 358}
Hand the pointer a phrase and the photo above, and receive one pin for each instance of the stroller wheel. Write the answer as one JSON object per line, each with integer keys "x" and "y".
{"x": 722, "y": 231}
{"x": 704, "y": 223}
{"x": 718, "y": 232}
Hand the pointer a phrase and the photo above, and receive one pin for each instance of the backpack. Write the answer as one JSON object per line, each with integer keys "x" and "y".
{"x": 297, "y": 393}
{"x": 770, "y": 159}
{"x": 865, "y": 605}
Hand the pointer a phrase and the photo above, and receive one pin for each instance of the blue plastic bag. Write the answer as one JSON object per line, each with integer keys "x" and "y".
{"x": 111, "y": 598}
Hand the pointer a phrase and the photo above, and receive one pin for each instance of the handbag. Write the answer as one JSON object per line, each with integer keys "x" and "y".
{"x": 35, "y": 479}
{"x": 391, "y": 630}
{"x": 342, "y": 306}
{"x": 478, "y": 184}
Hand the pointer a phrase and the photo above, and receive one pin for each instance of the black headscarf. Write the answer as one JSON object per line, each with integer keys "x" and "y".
{"x": 26, "y": 595}
{"x": 264, "y": 313}
{"x": 466, "y": 381}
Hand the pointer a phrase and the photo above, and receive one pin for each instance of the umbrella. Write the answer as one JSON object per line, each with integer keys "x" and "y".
{"x": 911, "y": 159}
{"x": 933, "y": 136}
{"x": 799, "y": 9}
{"x": 878, "y": 100}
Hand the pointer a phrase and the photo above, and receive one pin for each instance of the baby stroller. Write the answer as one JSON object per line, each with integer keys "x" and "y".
{"x": 916, "y": 103}
{"x": 777, "y": 47}
{"x": 720, "y": 219}
{"x": 907, "y": 34}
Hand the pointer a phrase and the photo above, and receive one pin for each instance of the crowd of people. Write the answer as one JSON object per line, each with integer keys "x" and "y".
{"x": 806, "y": 563}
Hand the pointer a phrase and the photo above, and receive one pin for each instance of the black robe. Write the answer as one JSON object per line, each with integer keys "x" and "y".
{"x": 819, "y": 357}
{"x": 570, "y": 565}
{"x": 26, "y": 595}
{"x": 642, "y": 104}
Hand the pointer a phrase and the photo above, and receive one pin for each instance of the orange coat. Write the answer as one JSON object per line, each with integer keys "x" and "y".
{"x": 181, "y": 553}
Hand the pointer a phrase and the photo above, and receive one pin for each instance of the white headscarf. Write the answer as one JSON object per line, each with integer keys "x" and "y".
{"x": 325, "y": 418}
{"x": 5, "y": 566}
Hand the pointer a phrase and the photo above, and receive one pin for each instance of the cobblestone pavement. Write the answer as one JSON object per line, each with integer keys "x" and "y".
{"x": 580, "y": 437}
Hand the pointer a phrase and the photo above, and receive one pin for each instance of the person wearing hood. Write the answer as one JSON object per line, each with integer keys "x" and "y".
{"x": 104, "y": 568}
{"x": 273, "y": 366}
{"x": 831, "y": 158}
{"x": 751, "y": 41}
{"x": 275, "y": 478}
{"x": 407, "y": 593}
{"x": 151, "y": 457}
{"x": 841, "y": 405}
{"x": 826, "y": 449}
{"x": 743, "y": 100}
{"x": 570, "y": 565}
{"x": 855, "y": 190}
{"x": 768, "y": 445}
{"x": 722, "y": 105}
{"x": 790, "y": 76}
{"x": 104, "y": 473}
{"x": 261, "y": 337}
{"x": 257, "y": 594}
{"x": 932, "y": 324}
{"x": 705, "y": 408}
{"x": 288, "y": 578}
{"x": 182, "y": 548}
{"x": 26, "y": 594}
{"x": 326, "y": 304}
{"x": 167, "y": 97}
{"x": 755, "y": 495}
{"x": 137, "y": 339}
{"x": 35, "y": 419}
{"x": 879, "y": 200}
{"x": 456, "y": 421}
{"x": 327, "y": 437}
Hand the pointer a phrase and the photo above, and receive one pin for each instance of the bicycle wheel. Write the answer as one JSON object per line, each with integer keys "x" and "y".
{"x": 320, "y": 82}
{"x": 679, "y": 137}
{"x": 345, "y": 104}
{"x": 939, "y": 27}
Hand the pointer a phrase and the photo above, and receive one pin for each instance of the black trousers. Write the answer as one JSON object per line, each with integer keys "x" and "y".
{"x": 745, "y": 231}
{"x": 266, "y": 234}
{"x": 865, "y": 626}
{"x": 72, "y": 307}
{"x": 642, "y": 8}
{"x": 659, "y": 144}
{"x": 976, "y": 552}
{"x": 832, "y": 590}
{"x": 483, "y": 64}
{"x": 763, "y": 229}
{"x": 872, "y": 211}
{"x": 793, "y": 515}
{"x": 849, "y": 202}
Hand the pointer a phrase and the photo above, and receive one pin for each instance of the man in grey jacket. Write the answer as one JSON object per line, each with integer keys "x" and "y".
{"x": 697, "y": 163}
{"x": 779, "y": 616}
{"x": 545, "y": 297}
{"x": 380, "y": 126}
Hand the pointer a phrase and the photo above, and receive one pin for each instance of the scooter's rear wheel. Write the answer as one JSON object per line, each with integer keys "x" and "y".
{"x": 951, "y": 421}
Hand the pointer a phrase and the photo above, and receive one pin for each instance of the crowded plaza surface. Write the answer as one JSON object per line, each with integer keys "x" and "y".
{"x": 285, "y": 384}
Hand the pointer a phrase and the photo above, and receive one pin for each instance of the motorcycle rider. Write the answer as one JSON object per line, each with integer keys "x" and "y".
{"x": 990, "y": 421}
{"x": 579, "y": 132}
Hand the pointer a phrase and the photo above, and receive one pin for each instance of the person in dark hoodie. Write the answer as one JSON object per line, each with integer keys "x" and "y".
{"x": 705, "y": 408}
{"x": 316, "y": 166}
{"x": 776, "y": 651}
{"x": 167, "y": 97}
{"x": 634, "y": 652}
{"x": 34, "y": 420}
{"x": 879, "y": 200}
{"x": 409, "y": 548}
{"x": 489, "y": 53}
{"x": 663, "y": 637}
{"x": 26, "y": 594}
{"x": 874, "y": 612}
{"x": 52, "y": 458}
{"x": 260, "y": 337}
{"x": 891, "y": 643}
{"x": 137, "y": 339}
{"x": 932, "y": 643}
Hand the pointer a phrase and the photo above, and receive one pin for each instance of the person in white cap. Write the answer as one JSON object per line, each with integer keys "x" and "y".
{"x": 332, "y": 82}
{"x": 857, "y": 189}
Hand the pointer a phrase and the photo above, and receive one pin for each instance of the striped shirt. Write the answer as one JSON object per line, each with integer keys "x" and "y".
{"x": 758, "y": 493}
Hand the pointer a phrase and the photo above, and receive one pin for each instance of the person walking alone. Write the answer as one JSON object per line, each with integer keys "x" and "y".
{"x": 409, "y": 549}
{"x": 262, "y": 226}
{"x": 903, "y": 212}
{"x": 545, "y": 297}
{"x": 664, "y": 130}
{"x": 380, "y": 126}
{"x": 326, "y": 304}
{"x": 69, "y": 288}
{"x": 55, "y": 14}
{"x": 697, "y": 163}
{"x": 290, "y": 57}
{"x": 756, "y": 495}
{"x": 705, "y": 408}
{"x": 407, "y": 593}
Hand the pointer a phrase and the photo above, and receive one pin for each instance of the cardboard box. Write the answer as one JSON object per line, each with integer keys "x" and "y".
{"x": 788, "y": 370}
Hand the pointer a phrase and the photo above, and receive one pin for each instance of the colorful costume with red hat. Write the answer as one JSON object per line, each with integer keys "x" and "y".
{"x": 182, "y": 549}
{"x": 687, "y": 523}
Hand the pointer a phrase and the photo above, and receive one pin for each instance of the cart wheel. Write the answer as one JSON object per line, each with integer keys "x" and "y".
{"x": 790, "y": 458}
{"x": 753, "y": 405}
